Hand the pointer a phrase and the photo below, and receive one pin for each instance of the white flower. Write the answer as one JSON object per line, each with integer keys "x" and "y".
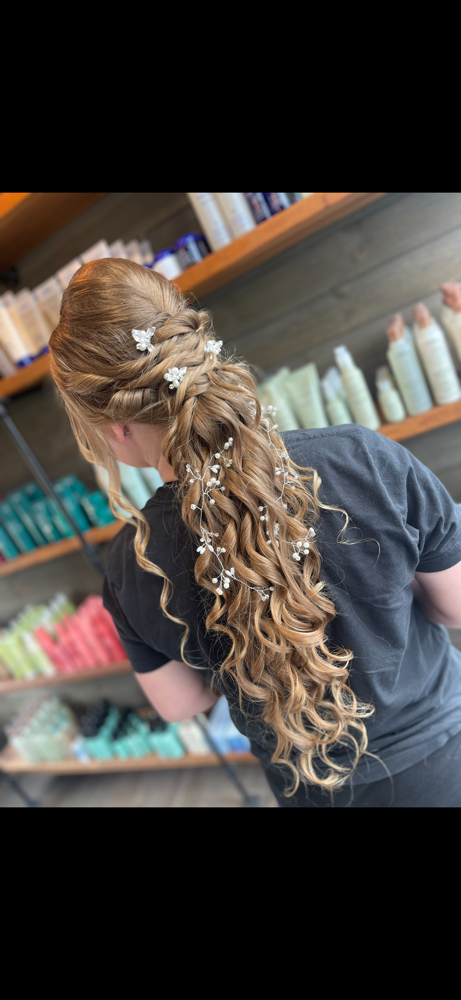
{"x": 175, "y": 376}
{"x": 213, "y": 347}
{"x": 143, "y": 338}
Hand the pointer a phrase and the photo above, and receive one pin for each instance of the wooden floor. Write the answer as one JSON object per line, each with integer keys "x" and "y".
{"x": 201, "y": 788}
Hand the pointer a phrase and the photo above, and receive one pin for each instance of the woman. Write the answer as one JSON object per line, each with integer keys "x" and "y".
{"x": 307, "y": 576}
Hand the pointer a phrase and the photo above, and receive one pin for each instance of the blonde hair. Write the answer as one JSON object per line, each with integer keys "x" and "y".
{"x": 279, "y": 658}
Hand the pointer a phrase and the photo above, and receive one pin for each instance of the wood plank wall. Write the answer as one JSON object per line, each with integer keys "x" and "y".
{"x": 339, "y": 286}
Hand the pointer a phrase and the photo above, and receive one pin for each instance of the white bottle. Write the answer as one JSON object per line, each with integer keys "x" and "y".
{"x": 389, "y": 397}
{"x": 359, "y": 397}
{"x": 236, "y": 213}
{"x": 436, "y": 358}
{"x": 48, "y": 295}
{"x": 166, "y": 263}
{"x": 334, "y": 377}
{"x": 134, "y": 251}
{"x": 32, "y": 320}
{"x": 406, "y": 368}
{"x": 11, "y": 341}
{"x": 211, "y": 220}
{"x": 118, "y": 249}
{"x": 65, "y": 274}
{"x": 146, "y": 251}
{"x": 9, "y": 301}
{"x": 271, "y": 392}
{"x": 6, "y": 366}
{"x": 306, "y": 396}
{"x": 96, "y": 252}
{"x": 450, "y": 313}
{"x": 337, "y": 409}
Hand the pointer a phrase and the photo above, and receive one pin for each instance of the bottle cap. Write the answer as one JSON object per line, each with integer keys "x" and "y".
{"x": 161, "y": 254}
{"x": 451, "y": 291}
{"x": 343, "y": 357}
{"x": 422, "y": 315}
{"x": 396, "y": 328}
{"x": 383, "y": 379}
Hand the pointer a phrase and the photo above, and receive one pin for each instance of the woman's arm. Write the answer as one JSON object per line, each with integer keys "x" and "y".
{"x": 439, "y": 596}
{"x": 177, "y": 692}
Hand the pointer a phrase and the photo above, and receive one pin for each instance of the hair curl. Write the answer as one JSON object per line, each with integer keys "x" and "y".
{"x": 280, "y": 657}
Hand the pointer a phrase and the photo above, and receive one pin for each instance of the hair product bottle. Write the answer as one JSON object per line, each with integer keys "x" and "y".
{"x": 435, "y": 355}
{"x": 406, "y": 369}
{"x": 272, "y": 392}
{"x": 450, "y": 313}
{"x": 48, "y": 297}
{"x": 19, "y": 352}
{"x": 359, "y": 396}
{"x": 32, "y": 321}
{"x": 236, "y": 212}
{"x": 305, "y": 392}
{"x": 336, "y": 407}
{"x": 211, "y": 219}
{"x": 389, "y": 397}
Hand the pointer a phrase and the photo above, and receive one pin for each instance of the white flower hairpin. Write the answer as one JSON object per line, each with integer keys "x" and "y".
{"x": 213, "y": 347}
{"x": 175, "y": 376}
{"x": 143, "y": 338}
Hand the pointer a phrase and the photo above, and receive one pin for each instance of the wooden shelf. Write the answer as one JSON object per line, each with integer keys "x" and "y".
{"x": 95, "y": 673}
{"x": 25, "y": 378}
{"x": 12, "y": 763}
{"x": 45, "y": 553}
{"x": 412, "y": 426}
{"x": 269, "y": 239}
{"x": 27, "y": 220}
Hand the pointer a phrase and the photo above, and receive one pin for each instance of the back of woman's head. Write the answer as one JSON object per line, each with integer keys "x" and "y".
{"x": 279, "y": 658}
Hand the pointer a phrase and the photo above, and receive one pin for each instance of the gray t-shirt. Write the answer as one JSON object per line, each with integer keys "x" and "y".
{"x": 403, "y": 664}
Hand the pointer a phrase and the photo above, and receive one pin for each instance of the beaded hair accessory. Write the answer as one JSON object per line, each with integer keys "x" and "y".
{"x": 206, "y": 541}
{"x": 143, "y": 338}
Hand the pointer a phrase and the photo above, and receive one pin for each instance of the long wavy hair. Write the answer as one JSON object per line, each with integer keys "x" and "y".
{"x": 280, "y": 658}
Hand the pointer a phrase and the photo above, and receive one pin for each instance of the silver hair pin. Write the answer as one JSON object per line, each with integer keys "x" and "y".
{"x": 143, "y": 338}
{"x": 226, "y": 576}
{"x": 175, "y": 376}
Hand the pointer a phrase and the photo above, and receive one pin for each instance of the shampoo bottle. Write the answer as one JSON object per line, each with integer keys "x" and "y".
{"x": 272, "y": 392}
{"x": 236, "y": 212}
{"x": 450, "y": 313}
{"x": 337, "y": 409}
{"x": 359, "y": 397}
{"x": 389, "y": 397}
{"x": 406, "y": 369}
{"x": 436, "y": 358}
{"x": 306, "y": 396}
{"x": 18, "y": 352}
{"x": 211, "y": 219}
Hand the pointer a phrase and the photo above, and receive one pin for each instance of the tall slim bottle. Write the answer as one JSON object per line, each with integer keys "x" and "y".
{"x": 211, "y": 219}
{"x": 450, "y": 313}
{"x": 359, "y": 397}
{"x": 236, "y": 213}
{"x": 435, "y": 355}
{"x": 406, "y": 368}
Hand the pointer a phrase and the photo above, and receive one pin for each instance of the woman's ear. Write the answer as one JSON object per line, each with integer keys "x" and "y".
{"x": 119, "y": 431}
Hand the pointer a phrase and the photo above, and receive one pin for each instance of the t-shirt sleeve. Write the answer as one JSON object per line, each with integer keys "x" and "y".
{"x": 143, "y": 658}
{"x": 436, "y": 516}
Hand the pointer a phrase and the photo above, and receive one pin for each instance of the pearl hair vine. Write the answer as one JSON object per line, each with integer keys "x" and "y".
{"x": 226, "y": 576}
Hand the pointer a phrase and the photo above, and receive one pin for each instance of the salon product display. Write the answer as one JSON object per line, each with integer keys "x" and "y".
{"x": 28, "y": 518}
{"x": 49, "y": 730}
{"x": 59, "y": 638}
